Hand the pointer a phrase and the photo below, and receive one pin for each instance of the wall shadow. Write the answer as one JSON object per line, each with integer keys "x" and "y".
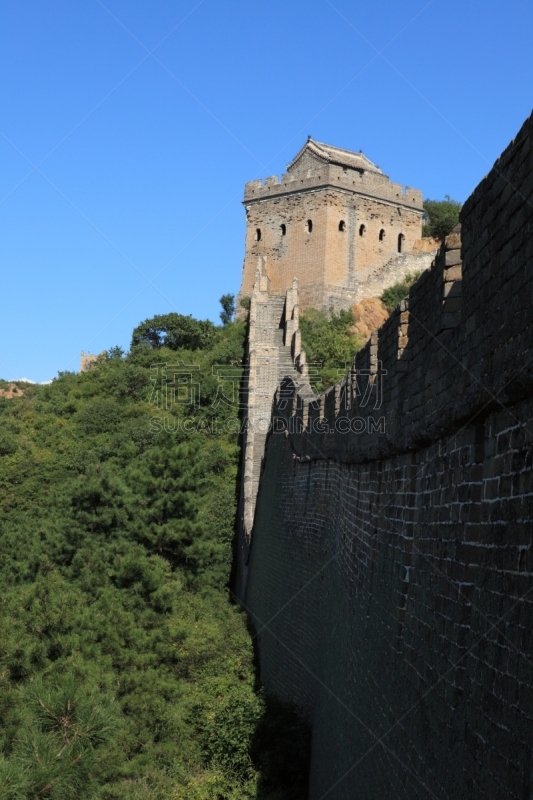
{"x": 281, "y": 752}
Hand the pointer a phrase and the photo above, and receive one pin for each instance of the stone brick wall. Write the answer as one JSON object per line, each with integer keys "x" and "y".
{"x": 391, "y": 571}
{"x": 373, "y": 283}
{"x": 393, "y": 221}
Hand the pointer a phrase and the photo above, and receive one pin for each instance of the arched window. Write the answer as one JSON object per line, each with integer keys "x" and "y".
{"x": 401, "y": 238}
{"x": 381, "y": 235}
{"x": 258, "y": 234}
{"x": 342, "y": 225}
{"x": 283, "y": 229}
{"x": 362, "y": 230}
{"x": 309, "y": 226}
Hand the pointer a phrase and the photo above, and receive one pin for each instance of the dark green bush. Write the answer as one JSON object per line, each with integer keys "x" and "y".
{"x": 395, "y": 294}
{"x": 329, "y": 344}
{"x": 441, "y": 216}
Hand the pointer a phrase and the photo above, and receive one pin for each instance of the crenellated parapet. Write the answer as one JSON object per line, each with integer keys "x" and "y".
{"x": 364, "y": 182}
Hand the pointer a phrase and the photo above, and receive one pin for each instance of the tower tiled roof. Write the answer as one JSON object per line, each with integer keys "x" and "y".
{"x": 335, "y": 155}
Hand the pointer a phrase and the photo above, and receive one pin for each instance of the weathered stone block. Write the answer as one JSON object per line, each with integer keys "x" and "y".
{"x": 453, "y": 241}
{"x": 453, "y": 273}
{"x": 452, "y": 257}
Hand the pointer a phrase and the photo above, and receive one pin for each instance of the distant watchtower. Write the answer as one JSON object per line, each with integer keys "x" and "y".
{"x": 333, "y": 221}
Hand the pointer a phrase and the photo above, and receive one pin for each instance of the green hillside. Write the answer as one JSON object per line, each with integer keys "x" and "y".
{"x": 125, "y": 670}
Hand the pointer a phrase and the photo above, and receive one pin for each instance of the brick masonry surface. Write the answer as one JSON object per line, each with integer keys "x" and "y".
{"x": 390, "y": 577}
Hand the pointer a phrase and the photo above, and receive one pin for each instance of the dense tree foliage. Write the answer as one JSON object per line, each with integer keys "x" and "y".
{"x": 125, "y": 671}
{"x": 174, "y": 331}
{"x": 441, "y": 216}
{"x": 329, "y": 344}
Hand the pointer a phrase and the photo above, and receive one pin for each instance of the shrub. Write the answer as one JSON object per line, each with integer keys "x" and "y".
{"x": 441, "y": 216}
{"x": 329, "y": 344}
{"x": 395, "y": 294}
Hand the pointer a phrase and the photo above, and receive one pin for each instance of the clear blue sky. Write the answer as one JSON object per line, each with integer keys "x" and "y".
{"x": 122, "y": 172}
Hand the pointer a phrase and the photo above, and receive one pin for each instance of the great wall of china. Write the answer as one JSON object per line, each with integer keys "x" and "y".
{"x": 385, "y": 544}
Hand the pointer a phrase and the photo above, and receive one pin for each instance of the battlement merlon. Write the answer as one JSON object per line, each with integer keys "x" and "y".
{"x": 358, "y": 182}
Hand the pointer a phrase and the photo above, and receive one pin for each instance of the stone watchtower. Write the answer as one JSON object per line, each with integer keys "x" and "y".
{"x": 336, "y": 223}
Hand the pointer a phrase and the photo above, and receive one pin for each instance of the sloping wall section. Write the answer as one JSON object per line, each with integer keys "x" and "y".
{"x": 273, "y": 354}
{"x": 391, "y": 571}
